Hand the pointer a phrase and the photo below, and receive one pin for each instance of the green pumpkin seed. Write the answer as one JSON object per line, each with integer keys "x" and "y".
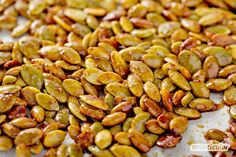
{"x": 179, "y": 80}
{"x": 47, "y": 102}
{"x": 32, "y": 76}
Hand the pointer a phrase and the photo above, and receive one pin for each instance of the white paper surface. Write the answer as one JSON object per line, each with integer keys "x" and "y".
{"x": 194, "y": 133}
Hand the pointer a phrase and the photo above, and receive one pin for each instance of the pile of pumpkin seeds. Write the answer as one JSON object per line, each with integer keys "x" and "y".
{"x": 117, "y": 76}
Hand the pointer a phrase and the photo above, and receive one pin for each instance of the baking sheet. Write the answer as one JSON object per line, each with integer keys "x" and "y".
{"x": 194, "y": 133}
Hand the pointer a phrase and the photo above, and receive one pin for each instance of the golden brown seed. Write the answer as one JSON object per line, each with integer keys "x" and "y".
{"x": 230, "y": 95}
{"x": 179, "y": 80}
{"x": 73, "y": 87}
{"x": 126, "y": 151}
{"x": 23, "y": 122}
{"x": 228, "y": 70}
{"x": 215, "y": 134}
{"x": 74, "y": 150}
{"x": 178, "y": 124}
{"x": 123, "y": 107}
{"x": 47, "y": 102}
{"x": 201, "y": 104}
{"x": 139, "y": 140}
{"x": 5, "y": 143}
{"x": 92, "y": 112}
{"x": 211, "y": 67}
{"x": 199, "y": 89}
{"x": 210, "y": 19}
{"x": 153, "y": 126}
{"x": 187, "y": 112}
{"x": 103, "y": 139}
{"x": 122, "y": 138}
{"x": 218, "y": 84}
{"x": 177, "y": 97}
{"x": 152, "y": 106}
{"x": 37, "y": 113}
{"x": 135, "y": 85}
{"x": 94, "y": 101}
{"x": 114, "y": 119}
{"x": 168, "y": 141}
{"x": 70, "y": 55}
{"x": 36, "y": 149}
{"x": 166, "y": 99}
{"x": 54, "y": 138}
{"x": 152, "y": 91}
{"x": 138, "y": 123}
{"x": 118, "y": 89}
{"x": 22, "y": 151}
{"x": 223, "y": 57}
{"x": 28, "y": 136}
{"x": 109, "y": 77}
{"x": 119, "y": 64}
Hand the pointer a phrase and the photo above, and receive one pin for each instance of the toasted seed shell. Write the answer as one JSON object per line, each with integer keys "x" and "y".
{"x": 179, "y": 80}
{"x": 122, "y": 138}
{"x": 37, "y": 113}
{"x": 152, "y": 106}
{"x": 222, "y": 55}
{"x": 92, "y": 112}
{"x": 187, "y": 112}
{"x": 70, "y": 55}
{"x": 7, "y": 101}
{"x": 47, "y": 102}
{"x": 32, "y": 76}
{"x": 218, "y": 84}
{"x": 215, "y": 134}
{"x": 211, "y": 67}
{"x": 94, "y": 101}
{"x": 118, "y": 89}
{"x": 153, "y": 126}
{"x": 28, "y": 136}
{"x": 10, "y": 130}
{"x": 226, "y": 71}
{"x": 230, "y": 96}
{"x": 119, "y": 64}
{"x": 127, "y": 39}
{"x": 190, "y": 60}
{"x": 232, "y": 111}
{"x": 168, "y": 141}
{"x": 200, "y": 90}
{"x": 135, "y": 85}
{"x": 109, "y": 77}
{"x": 138, "y": 123}
{"x": 99, "y": 152}
{"x": 139, "y": 140}
{"x": 91, "y": 75}
{"x": 56, "y": 90}
{"x": 22, "y": 150}
{"x": 74, "y": 150}
{"x": 178, "y": 124}
{"x": 211, "y": 18}
{"x": 23, "y": 122}
{"x": 75, "y": 14}
{"x": 201, "y": 104}
{"x": 5, "y": 143}
{"x": 74, "y": 107}
{"x": 125, "y": 151}
{"x": 152, "y": 91}
{"x": 103, "y": 139}
{"x": 114, "y": 119}
{"x": 73, "y": 87}
{"x": 54, "y": 138}
{"x": 142, "y": 70}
